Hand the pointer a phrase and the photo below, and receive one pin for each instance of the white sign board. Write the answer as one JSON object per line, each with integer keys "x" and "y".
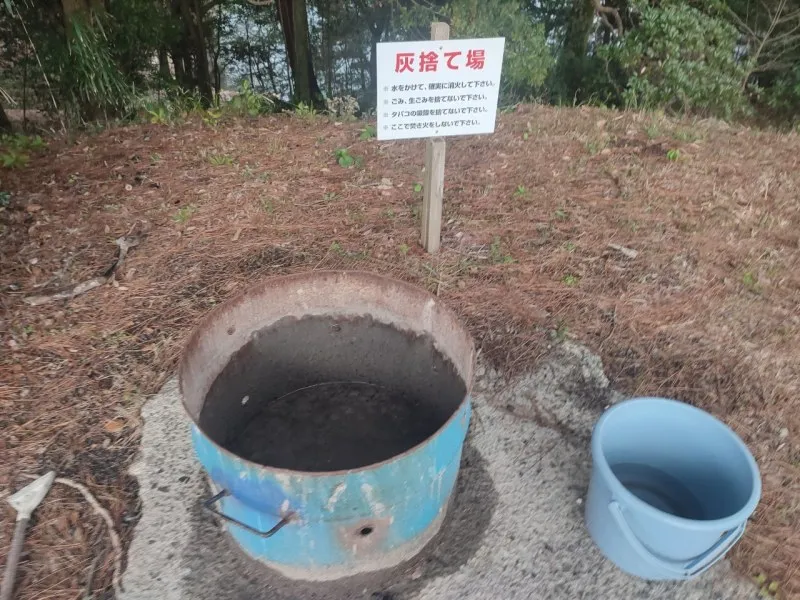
{"x": 438, "y": 88}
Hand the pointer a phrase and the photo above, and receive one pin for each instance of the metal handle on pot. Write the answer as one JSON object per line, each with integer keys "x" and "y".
{"x": 209, "y": 505}
{"x": 685, "y": 568}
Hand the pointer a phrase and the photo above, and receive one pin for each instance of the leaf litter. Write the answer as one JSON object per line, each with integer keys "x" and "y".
{"x": 684, "y": 277}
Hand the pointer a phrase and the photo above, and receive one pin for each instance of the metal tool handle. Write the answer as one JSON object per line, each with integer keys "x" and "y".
{"x": 686, "y": 568}
{"x": 209, "y": 505}
{"x": 13, "y": 559}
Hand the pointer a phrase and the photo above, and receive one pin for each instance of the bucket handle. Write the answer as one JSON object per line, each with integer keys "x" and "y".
{"x": 208, "y": 504}
{"x": 684, "y": 569}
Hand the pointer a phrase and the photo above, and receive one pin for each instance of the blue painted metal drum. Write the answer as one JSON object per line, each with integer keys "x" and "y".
{"x": 329, "y": 410}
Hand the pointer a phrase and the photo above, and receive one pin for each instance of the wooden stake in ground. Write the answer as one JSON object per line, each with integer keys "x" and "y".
{"x": 434, "y": 174}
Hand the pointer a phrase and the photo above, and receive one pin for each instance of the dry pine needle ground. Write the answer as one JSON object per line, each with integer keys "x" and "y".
{"x": 670, "y": 248}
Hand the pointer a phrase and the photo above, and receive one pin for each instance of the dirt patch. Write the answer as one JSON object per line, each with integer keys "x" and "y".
{"x": 704, "y": 309}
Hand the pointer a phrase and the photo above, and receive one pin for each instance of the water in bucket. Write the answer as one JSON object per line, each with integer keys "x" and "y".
{"x": 659, "y": 489}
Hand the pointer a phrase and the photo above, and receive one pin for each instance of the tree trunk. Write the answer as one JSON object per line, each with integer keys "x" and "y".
{"x": 191, "y": 11}
{"x": 217, "y": 54}
{"x": 179, "y": 52}
{"x": 571, "y": 62}
{"x": 163, "y": 63}
{"x": 5, "y": 123}
{"x": 188, "y": 69}
{"x": 294, "y": 22}
{"x": 328, "y": 60}
{"x": 177, "y": 66}
{"x": 249, "y": 51}
{"x": 271, "y": 74}
{"x": 378, "y": 20}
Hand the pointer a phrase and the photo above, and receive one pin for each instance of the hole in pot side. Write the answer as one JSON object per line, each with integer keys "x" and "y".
{"x": 330, "y": 393}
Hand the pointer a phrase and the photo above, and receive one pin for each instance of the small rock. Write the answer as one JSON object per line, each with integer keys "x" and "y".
{"x": 579, "y": 501}
{"x": 783, "y": 433}
{"x": 128, "y": 187}
{"x": 605, "y": 151}
{"x": 32, "y": 208}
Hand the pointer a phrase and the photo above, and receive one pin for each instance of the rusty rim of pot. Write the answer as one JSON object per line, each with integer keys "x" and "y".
{"x": 464, "y": 368}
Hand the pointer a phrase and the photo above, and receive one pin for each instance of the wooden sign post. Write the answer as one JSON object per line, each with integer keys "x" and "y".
{"x": 433, "y": 187}
{"x": 432, "y": 89}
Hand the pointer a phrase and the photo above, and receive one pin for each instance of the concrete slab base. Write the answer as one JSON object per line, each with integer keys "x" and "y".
{"x": 514, "y": 528}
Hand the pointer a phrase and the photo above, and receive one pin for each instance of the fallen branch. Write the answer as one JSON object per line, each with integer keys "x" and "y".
{"x": 124, "y": 244}
{"x": 628, "y": 252}
{"x": 116, "y": 581}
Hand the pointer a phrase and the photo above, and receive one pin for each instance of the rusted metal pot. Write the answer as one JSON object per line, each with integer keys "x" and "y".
{"x": 328, "y": 484}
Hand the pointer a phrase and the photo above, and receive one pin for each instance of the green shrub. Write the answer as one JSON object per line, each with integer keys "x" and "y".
{"x": 783, "y": 96}
{"x": 683, "y": 61}
{"x": 527, "y": 58}
{"x": 250, "y": 103}
{"x": 92, "y": 79}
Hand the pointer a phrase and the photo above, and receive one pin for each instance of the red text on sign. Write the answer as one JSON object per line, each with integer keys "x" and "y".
{"x": 429, "y": 61}
{"x": 404, "y": 61}
{"x": 451, "y": 56}
{"x": 476, "y": 59}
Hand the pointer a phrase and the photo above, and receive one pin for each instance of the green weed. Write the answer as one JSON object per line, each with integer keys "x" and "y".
{"x": 219, "y": 160}
{"x": 250, "y": 103}
{"x": 594, "y": 147}
{"x": 345, "y": 159}
{"x": 686, "y": 135}
{"x": 520, "y": 191}
{"x": 653, "y": 131}
{"x": 673, "y": 155}
{"x": 368, "y": 133}
{"x": 750, "y": 282}
{"x": 561, "y": 214}
{"x": 14, "y": 159}
{"x": 496, "y": 253}
{"x": 570, "y": 279}
{"x": 267, "y": 205}
{"x": 417, "y": 187}
{"x": 305, "y": 111}
{"x": 212, "y": 116}
{"x": 20, "y": 141}
{"x": 767, "y": 589}
{"x": 159, "y": 115}
{"x": 561, "y": 331}
{"x": 404, "y": 249}
{"x": 184, "y": 214}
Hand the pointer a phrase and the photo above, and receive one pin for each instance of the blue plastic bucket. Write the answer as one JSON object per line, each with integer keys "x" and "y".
{"x": 671, "y": 488}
